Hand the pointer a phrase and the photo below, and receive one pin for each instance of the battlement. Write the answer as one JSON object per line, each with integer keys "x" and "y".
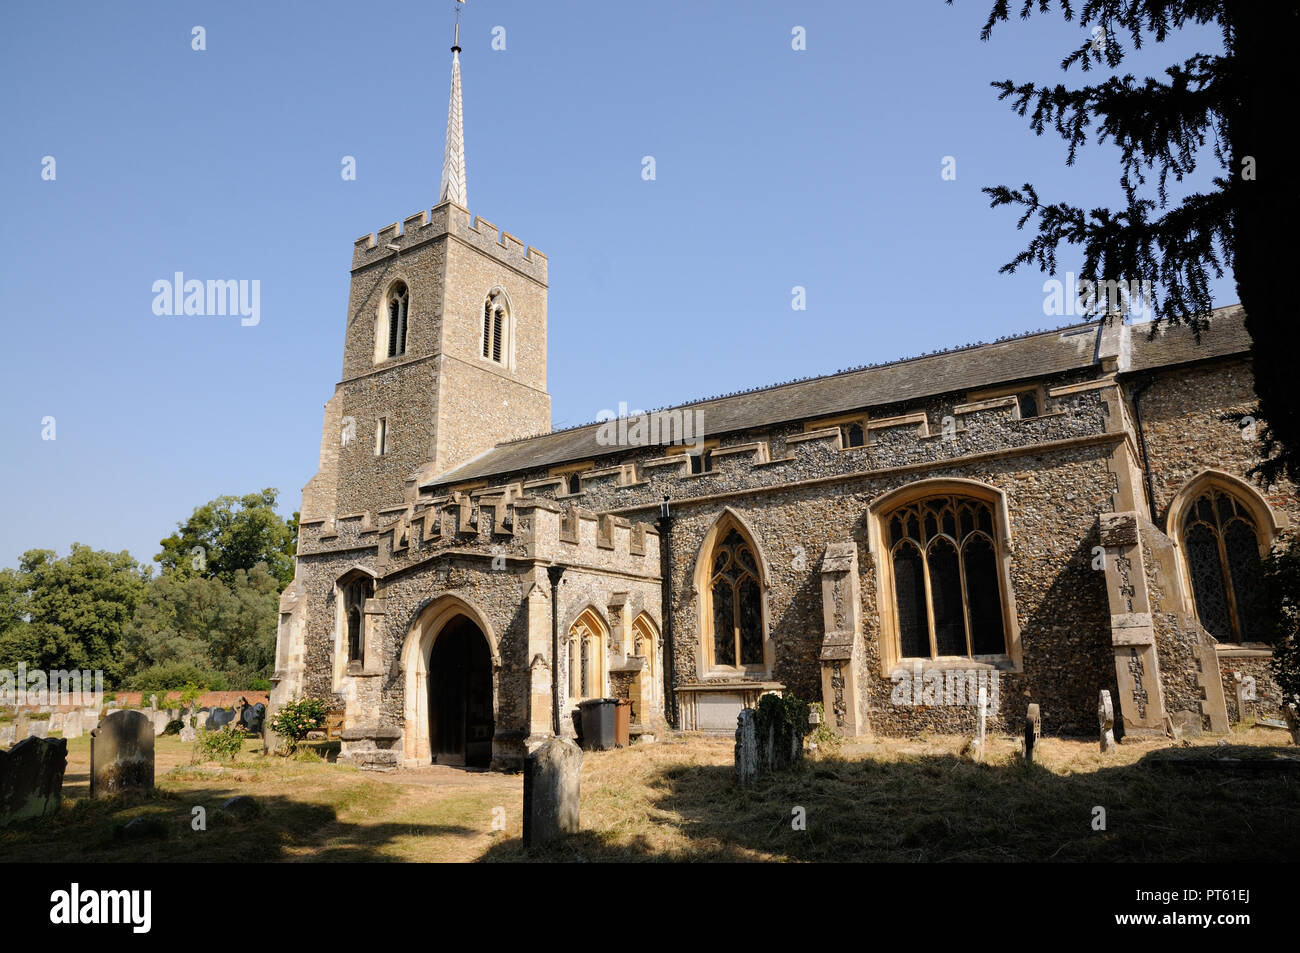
{"x": 498, "y": 523}
{"x": 449, "y": 219}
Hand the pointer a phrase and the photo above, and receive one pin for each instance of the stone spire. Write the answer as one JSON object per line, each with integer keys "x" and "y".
{"x": 453, "y": 158}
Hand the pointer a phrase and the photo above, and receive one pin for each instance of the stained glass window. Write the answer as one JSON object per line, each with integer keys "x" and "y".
{"x": 737, "y": 604}
{"x": 1221, "y": 542}
{"x": 947, "y": 589}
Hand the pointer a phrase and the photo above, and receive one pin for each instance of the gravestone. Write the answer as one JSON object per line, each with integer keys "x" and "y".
{"x": 21, "y": 726}
{"x": 746, "y": 748}
{"x": 1033, "y": 731}
{"x": 7, "y": 732}
{"x": 252, "y": 717}
{"x": 121, "y": 754}
{"x": 31, "y": 778}
{"x": 153, "y": 702}
{"x": 551, "y": 780}
{"x": 189, "y": 734}
{"x": 72, "y": 724}
{"x": 1106, "y": 721}
{"x": 1292, "y": 715}
{"x": 39, "y": 728}
{"x": 1244, "y": 695}
{"x": 219, "y": 717}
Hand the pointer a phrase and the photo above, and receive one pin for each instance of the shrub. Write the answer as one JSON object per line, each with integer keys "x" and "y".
{"x": 174, "y": 727}
{"x": 259, "y": 685}
{"x": 785, "y": 721}
{"x": 176, "y": 676}
{"x": 224, "y": 744}
{"x": 293, "y": 720}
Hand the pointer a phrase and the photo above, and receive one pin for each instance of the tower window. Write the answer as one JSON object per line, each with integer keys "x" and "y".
{"x": 1028, "y": 402}
{"x": 398, "y": 304}
{"x": 575, "y": 483}
{"x": 496, "y": 327}
{"x": 851, "y": 435}
{"x": 381, "y": 437}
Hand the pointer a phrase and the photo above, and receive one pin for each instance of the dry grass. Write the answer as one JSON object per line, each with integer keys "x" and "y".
{"x": 893, "y": 800}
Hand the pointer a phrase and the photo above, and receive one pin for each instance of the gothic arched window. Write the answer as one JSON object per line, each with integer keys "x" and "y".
{"x": 587, "y": 638}
{"x": 355, "y": 594}
{"x": 397, "y": 306}
{"x": 736, "y": 602}
{"x": 947, "y": 594}
{"x": 1221, "y": 541}
{"x": 852, "y": 435}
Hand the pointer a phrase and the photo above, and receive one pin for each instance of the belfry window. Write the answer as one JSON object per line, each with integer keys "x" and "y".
{"x": 736, "y": 602}
{"x": 397, "y": 305}
{"x": 852, "y": 435}
{"x": 947, "y": 596}
{"x": 496, "y": 328}
{"x": 1221, "y": 540}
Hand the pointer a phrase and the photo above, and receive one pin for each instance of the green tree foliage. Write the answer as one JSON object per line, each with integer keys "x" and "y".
{"x": 73, "y": 612}
{"x": 190, "y": 628}
{"x": 1229, "y": 109}
{"x": 1282, "y": 583}
{"x": 230, "y": 534}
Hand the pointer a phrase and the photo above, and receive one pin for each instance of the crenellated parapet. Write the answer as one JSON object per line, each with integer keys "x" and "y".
{"x": 448, "y": 219}
{"x": 498, "y": 523}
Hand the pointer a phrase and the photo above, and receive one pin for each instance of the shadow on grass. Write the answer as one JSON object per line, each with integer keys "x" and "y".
{"x": 944, "y": 808}
{"x": 284, "y": 829}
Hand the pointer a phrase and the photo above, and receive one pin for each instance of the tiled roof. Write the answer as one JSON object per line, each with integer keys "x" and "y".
{"x": 1032, "y": 355}
{"x": 1225, "y": 335}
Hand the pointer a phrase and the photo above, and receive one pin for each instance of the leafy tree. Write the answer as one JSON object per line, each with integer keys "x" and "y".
{"x": 73, "y": 612}
{"x": 233, "y": 533}
{"x": 1227, "y": 108}
{"x": 190, "y": 624}
{"x": 1282, "y": 584}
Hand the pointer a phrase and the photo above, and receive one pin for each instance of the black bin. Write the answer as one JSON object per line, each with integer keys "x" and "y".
{"x": 599, "y": 723}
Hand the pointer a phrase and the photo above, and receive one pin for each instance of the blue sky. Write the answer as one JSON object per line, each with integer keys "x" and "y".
{"x": 774, "y": 168}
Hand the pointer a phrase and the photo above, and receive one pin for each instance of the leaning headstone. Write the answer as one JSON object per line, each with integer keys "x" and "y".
{"x": 241, "y": 807}
{"x": 1033, "y": 731}
{"x": 31, "y": 778}
{"x": 1106, "y": 721}
{"x": 551, "y": 779}
{"x": 746, "y": 748}
{"x": 121, "y": 754}
{"x": 1292, "y": 716}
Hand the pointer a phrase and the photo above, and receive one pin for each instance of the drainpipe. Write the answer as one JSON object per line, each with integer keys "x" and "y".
{"x": 1142, "y": 444}
{"x": 666, "y": 610}
{"x": 554, "y": 573}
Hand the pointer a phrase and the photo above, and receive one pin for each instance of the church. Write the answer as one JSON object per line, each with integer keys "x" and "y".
{"x": 1044, "y": 517}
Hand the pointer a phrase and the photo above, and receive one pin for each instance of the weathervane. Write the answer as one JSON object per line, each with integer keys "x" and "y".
{"x": 455, "y": 45}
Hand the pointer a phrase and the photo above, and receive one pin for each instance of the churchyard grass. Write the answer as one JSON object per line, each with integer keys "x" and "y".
{"x": 891, "y": 800}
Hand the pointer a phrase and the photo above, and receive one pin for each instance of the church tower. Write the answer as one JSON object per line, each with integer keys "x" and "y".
{"x": 445, "y": 349}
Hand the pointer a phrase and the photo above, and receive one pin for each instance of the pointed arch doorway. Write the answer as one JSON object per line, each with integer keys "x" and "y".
{"x": 460, "y": 695}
